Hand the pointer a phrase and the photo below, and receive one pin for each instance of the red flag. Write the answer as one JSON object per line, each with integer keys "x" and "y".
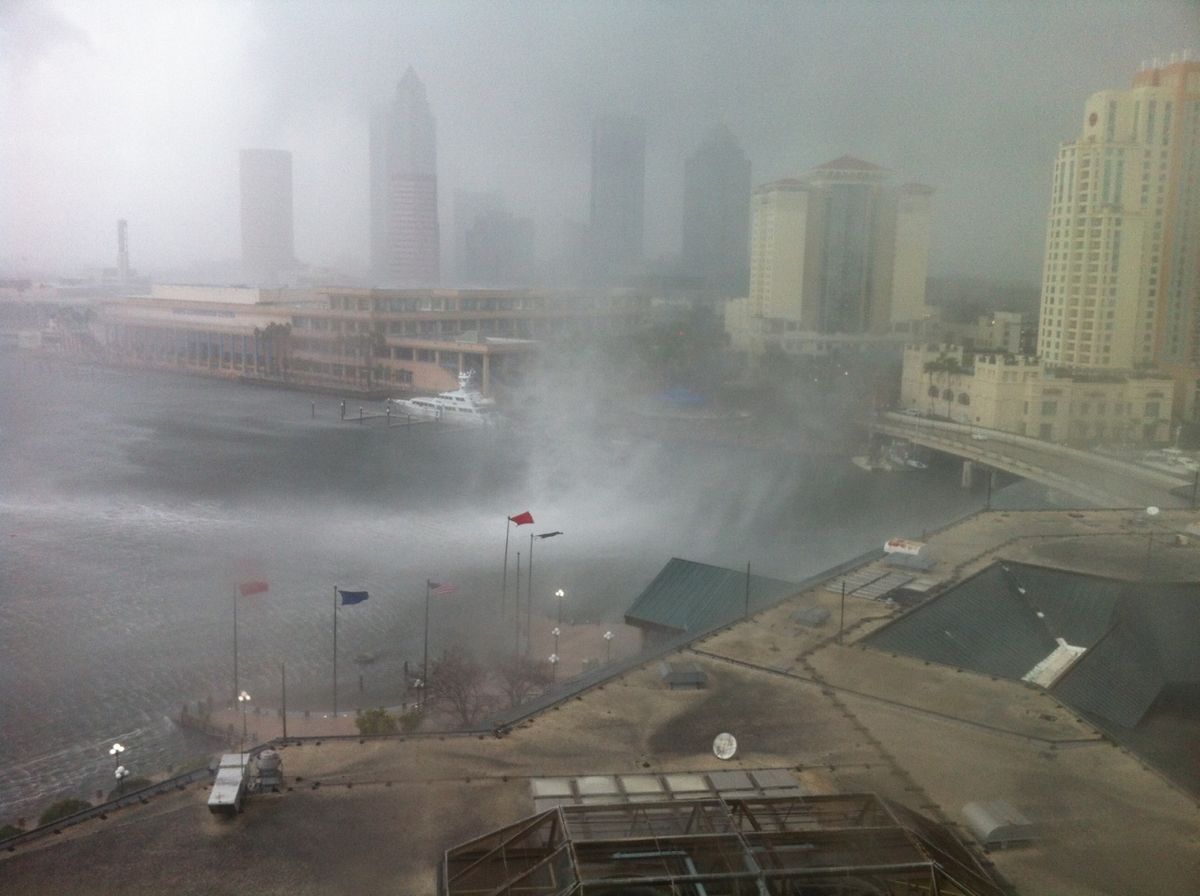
{"x": 522, "y": 519}
{"x": 444, "y": 588}
{"x": 255, "y": 587}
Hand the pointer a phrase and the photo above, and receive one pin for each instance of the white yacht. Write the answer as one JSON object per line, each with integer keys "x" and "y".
{"x": 464, "y": 405}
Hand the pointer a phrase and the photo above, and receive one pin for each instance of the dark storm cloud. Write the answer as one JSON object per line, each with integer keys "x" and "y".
{"x": 972, "y": 99}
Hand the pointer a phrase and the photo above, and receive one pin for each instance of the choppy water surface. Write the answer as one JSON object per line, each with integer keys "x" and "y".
{"x": 132, "y": 504}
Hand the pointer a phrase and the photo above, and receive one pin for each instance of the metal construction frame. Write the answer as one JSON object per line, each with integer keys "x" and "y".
{"x": 833, "y": 845}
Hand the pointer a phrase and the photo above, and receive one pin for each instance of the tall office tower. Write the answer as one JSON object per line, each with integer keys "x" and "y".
{"x": 1121, "y": 280}
{"x": 267, "y": 243}
{"x": 716, "y": 214}
{"x": 469, "y": 206}
{"x": 404, "y": 210}
{"x": 618, "y": 186}
{"x": 839, "y": 250}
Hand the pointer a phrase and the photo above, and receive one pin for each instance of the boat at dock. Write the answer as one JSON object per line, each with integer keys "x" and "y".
{"x": 463, "y": 405}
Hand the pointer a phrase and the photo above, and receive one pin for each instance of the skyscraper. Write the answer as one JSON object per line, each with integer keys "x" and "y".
{"x": 839, "y": 250}
{"x": 716, "y": 214}
{"x": 267, "y": 239}
{"x": 618, "y": 187}
{"x": 1121, "y": 279}
{"x": 499, "y": 250}
{"x": 404, "y": 210}
{"x": 469, "y": 206}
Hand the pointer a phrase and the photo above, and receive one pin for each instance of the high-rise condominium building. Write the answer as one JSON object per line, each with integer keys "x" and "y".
{"x": 618, "y": 186}
{"x": 1121, "y": 281}
{"x": 267, "y": 239}
{"x": 716, "y": 214}
{"x": 404, "y": 209}
{"x": 839, "y": 250}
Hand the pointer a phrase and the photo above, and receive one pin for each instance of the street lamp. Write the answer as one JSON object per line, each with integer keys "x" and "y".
{"x": 115, "y": 751}
{"x": 553, "y": 666}
{"x": 1151, "y": 513}
{"x": 560, "y": 594}
{"x": 529, "y": 592}
{"x": 556, "y": 631}
{"x": 608, "y": 638}
{"x": 243, "y": 699}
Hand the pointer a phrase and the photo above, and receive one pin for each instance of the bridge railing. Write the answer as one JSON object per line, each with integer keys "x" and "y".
{"x": 1155, "y": 477}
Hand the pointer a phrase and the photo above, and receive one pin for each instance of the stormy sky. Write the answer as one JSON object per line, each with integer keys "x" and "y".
{"x": 137, "y": 109}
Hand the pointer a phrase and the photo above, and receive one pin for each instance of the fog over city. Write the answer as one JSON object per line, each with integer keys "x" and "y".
{"x": 190, "y": 443}
{"x": 137, "y": 110}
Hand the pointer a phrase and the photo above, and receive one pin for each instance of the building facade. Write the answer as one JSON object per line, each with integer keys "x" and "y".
{"x": 716, "y": 214}
{"x": 617, "y": 197}
{"x": 405, "y": 241}
{"x": 370, "y": 342}
{"x": 1025, "y": 396}
{"x": 1121, "y": 278}
{"x": 268, "y": 249}
{"x": 838, "y": 251}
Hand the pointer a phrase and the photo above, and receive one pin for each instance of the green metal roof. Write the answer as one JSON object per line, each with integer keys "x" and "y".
{"x": 985, "y": 624}
{"x": 689, "y": 597}
{"x": 1003, "y": 621}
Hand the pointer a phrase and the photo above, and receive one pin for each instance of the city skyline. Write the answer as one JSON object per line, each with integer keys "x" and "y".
{"x": 796, "y": 84}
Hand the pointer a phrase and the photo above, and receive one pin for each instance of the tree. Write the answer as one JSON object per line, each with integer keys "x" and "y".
{"x": 458, "y": 682}
{"x": 375, "y": 721}
{"x": 62, "y": 809}
{"x": 519, "y": 677}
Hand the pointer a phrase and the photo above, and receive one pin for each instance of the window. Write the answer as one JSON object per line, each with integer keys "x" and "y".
{"x": 1049, "y": 408}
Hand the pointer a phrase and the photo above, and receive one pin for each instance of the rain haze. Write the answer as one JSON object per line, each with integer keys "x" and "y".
{"x": 134, "y": 498}
{"x": 138, "y": 110}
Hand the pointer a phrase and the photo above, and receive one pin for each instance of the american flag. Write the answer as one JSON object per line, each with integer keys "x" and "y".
{"x": 442, "y": 588}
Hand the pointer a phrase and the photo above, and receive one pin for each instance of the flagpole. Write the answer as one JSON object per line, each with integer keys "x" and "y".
{"x": 517, "y": 605}
{"x": 283, "y": 694}
{"x": 504, "y": 580}
{"x": 529, "y": 577}
{"x": 425, "y": 661}
{"x": 335, "y": 651}
{"x": 236, "y": 691}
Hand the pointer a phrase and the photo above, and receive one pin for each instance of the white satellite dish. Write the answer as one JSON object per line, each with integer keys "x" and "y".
{"x": 724, "y": 745}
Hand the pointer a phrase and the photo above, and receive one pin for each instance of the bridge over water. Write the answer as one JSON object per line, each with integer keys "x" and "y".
{"x": 1104, "y": 481}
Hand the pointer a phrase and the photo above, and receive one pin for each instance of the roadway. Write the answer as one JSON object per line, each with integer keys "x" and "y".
{"x": 1103, "y": 481}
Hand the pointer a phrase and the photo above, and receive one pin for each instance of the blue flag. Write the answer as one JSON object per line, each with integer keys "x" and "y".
{"x": 352, "y": 597}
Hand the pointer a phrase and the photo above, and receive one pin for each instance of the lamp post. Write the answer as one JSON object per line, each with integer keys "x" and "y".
{"x": 529, "y": 590}
{"x": 560, "y": 594}
{"x": 553, "y": 666}
{"x": 556, "y": 631}
{"x": 121, "y": 771}
{"x": 1151, "y": 513}
{"x": 243, "y": 699}
{"x": 608, "y": 639}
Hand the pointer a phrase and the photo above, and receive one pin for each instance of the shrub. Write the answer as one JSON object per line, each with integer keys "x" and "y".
{"x": 375, "y": 721}
{"x": 62, "y": 809}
